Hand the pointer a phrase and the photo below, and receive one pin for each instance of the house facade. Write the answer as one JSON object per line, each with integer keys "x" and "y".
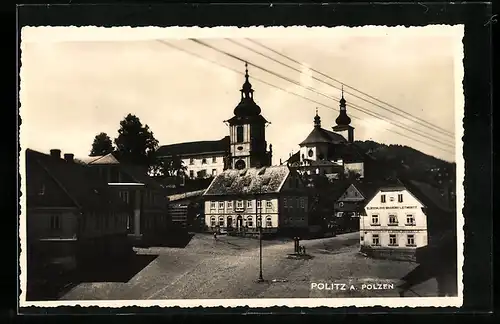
{"x": 148, "y": 217}
{"x": 72, "y": 217}
{"x": 241, "y": 200}
{"x": 350, "y": 205}
{"x": 398, "y": 217}
{"x": 202, "y": 159}
{"x": 394, "y": 219}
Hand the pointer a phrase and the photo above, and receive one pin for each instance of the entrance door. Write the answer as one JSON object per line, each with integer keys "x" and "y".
{"x": 239, "y": 223}
{"x": 229, "y": 223}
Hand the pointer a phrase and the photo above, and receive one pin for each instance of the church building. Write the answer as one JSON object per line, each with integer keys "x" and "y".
{"x": 247, "y": 132}
{"x": 330, "y": 152}
{"x": 245, "y": 147}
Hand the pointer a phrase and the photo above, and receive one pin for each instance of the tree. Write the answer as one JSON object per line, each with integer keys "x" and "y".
{"x": 172, "y": 166}
{"x": 136, "y": 143}
{"x": 102, "y": 145}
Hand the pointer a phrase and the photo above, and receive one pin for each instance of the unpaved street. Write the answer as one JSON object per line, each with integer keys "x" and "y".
{"x": 229, "y": 268}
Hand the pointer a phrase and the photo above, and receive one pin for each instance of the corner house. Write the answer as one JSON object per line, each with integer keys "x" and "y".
{"x": 237, "y": 200}
{"x": 399, "y": 216}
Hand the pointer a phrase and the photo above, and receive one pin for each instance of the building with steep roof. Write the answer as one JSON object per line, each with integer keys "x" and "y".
{"x": 148, "y": 217}
{"x": 402, "y": 216}
{"x": 72, "y": 215}
{"x": 237, "y": 200}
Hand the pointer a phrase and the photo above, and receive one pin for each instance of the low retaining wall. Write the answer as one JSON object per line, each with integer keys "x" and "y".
{"x": 400, "y": 254}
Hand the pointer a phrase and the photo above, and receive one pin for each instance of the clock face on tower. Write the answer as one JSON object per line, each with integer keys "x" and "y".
{"x": 240, "y": 165}
{"x": 310, "y": 153}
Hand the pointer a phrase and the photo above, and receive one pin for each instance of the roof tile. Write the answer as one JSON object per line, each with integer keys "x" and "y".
{"x": 236, "y": 182}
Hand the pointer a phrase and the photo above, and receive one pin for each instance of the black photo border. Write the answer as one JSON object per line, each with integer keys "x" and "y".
{"x": 478, "y": 139}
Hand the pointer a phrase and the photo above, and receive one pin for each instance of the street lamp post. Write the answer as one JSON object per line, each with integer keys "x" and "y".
{"x": 259, "y": 223}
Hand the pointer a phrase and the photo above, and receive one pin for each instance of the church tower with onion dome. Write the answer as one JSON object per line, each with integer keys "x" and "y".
{"x": 247, "y": 132}
{"x": 343, "y": 121}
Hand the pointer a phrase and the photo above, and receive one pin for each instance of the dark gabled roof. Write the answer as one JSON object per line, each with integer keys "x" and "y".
{"x": 338, "y": 189}
{"x": 248, "y": 181}
{"x": 295, "y": 157}
{"x": 107, "y": 159}
{"x": 321, "y": 135}
{"x": 368, "y": 188}
{"x": 87, "y": 190}
{"x": 194, "y": 148}
{"x": 429, "y": 195}
{"x": 137, "y": 173}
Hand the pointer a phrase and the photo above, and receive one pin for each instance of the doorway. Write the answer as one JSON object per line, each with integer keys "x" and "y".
{"x": 239, "y": 223}
{"x": 229, "y": 223}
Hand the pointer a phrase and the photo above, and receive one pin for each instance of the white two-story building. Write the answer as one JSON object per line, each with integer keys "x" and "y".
{"x": 202, "y": 159}
{"x": 238, "y": 200}
{"x": 398, "y": 216}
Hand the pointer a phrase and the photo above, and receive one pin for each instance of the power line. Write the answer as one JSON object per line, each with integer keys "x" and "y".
{"x": 289, "y": 92}
{"x": 427, "y": 123}
{"x": 356, "y": 107}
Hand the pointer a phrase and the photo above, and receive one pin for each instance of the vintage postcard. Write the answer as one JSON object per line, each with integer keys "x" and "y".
{"x": 261, "y": 167}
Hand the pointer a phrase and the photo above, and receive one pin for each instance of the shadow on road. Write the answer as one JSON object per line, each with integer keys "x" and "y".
{"x": 300, "y": 256}
{"x": 50, "y": 286}
{"x": 171, "y": 240}
{"x": 114, "y": 271}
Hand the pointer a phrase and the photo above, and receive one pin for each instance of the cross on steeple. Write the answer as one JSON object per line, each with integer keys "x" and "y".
{"x": 342, "y": 100}
{"x": 246, "y": 90}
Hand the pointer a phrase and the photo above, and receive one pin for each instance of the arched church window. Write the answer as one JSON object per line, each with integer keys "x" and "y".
{"x": 239, "y": 134}
{"x": 310, "y": 153}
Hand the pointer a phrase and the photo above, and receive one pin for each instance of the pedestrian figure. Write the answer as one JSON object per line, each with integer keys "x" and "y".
{"x": 215, "y": 236}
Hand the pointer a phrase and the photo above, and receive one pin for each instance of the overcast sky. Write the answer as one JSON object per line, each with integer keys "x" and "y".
{"x": 77, "y": 82}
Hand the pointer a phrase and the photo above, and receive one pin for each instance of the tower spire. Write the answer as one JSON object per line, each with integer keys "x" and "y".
{"x": 343, "y": 119}
{"x": 246, "y": 90}
{"x": 317, "y": 119}
{"x": 342, "y": 100}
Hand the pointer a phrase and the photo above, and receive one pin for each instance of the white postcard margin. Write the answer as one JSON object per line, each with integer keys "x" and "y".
{"x": 135, "y": 33}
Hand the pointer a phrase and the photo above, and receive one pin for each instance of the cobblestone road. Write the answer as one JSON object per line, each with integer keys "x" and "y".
{"x": 229, "y": 268}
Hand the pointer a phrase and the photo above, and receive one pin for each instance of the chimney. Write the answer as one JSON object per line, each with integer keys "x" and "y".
{"x": 55, "y": 153}
{"x": 69, "y": 157}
